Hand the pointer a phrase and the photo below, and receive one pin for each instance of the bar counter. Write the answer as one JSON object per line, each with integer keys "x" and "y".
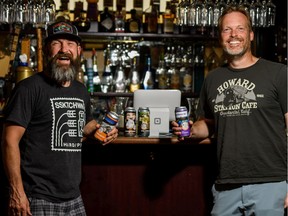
{"x": 155, "y": 140}
{"x": 141, "y": 176}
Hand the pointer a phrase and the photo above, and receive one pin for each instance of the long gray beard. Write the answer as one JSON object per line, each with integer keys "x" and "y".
{"x": 62, "y": 74}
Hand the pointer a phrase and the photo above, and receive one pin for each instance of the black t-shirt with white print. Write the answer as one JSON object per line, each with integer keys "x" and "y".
{"x": 248, "y": 106}
{"x": 51, "y": 146}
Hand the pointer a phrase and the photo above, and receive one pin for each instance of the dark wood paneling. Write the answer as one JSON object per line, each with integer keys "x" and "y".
{"x": 148, "y": 180}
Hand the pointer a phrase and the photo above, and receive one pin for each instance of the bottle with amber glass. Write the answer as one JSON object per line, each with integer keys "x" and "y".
{"x": 134, "y": 23}
{"x": 168, "y": 19}
{"x": 134, "y": 77}
{"x": 151, "y": 18}
{"x": 63, "y": 14}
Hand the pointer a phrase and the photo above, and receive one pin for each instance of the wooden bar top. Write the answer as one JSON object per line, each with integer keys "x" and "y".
{"x": 155, "y": 140}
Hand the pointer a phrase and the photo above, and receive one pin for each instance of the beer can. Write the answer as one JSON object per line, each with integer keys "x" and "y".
{"x": 143, "y": 121}
{"x": 182, "y": 118}
{"x": 109, "y": 121}
{"x": 130, "y": 121}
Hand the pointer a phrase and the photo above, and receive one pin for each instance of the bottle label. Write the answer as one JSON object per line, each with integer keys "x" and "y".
{"x": 90, "y": 74}
{"x": 107, "y": 23}
{"x": 187, "y": 82}
{"x": 168, "y": 25}
{"x": 175, "y": 81}
{"x": 134, "y": 87}
{"x": 152, "y": 24}
{"x": 162, "y": 81}
{"x": 133, "y": 26}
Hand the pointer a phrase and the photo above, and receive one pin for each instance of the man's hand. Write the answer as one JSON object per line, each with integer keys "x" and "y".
{"x": 286, "y": 201}
{"x": 112, "y": 135}
{"x": 177, "y": 129}
{"x": 18, "y": 203}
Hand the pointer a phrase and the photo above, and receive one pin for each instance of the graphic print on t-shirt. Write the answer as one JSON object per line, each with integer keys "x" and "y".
{"x": 68, "y": 122}
{"x": 235, "y": 97}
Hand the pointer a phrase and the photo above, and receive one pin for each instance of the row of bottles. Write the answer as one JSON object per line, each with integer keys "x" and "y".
{"x": 177, "y": 67}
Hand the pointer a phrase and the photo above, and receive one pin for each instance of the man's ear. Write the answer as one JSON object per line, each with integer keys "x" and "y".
{"x": 79, "y": 49}
{"x": 251, "y": 35}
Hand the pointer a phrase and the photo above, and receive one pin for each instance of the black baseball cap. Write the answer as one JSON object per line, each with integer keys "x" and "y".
{"x": 62, "y": 29}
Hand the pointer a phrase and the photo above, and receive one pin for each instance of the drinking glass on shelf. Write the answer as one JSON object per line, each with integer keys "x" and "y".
{"x": 271, "y": 13}
{"x": 6, "y": 11}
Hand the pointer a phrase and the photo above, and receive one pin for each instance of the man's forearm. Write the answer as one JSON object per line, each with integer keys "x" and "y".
{"x": 11, "y": 161}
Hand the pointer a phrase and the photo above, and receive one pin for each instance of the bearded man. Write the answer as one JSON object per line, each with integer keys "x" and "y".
{"x": 46, "y": 117}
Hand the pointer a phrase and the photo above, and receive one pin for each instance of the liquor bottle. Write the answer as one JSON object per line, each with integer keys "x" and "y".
{"x": 175, "y": 77}
{"x": 83, "y": 68}
{"x": 167, "y": 57}
{"x": 63, "y": 14}
{"x": 134, "y": 23}
{"x": 119, "y": 20}
{"x": 151, "y": 18}
{"x": 148, "y": 80}
{"x": 161, "y": 75}
{"x": 107, "y": 78}
{"x": 96, "y": 77}
{"x": 23, "y": 70}
{"x": 186, "y": 79}
{"x": 80, "y": 75}
{"x": 168, "y": 19}
{"x": 81, "y": 22}
{"x": 90, "y": 74}
{"x": 106, "y": 21}
{"x": 92, "y": 10}
{"x": 78, "y": 8}
{"x": 120, "y": 79}
{"x": 198, "y": 68}
{"x": 134, "y": 77}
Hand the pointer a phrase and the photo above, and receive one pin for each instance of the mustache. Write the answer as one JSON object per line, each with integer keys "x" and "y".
{"x": 62, "y": 56}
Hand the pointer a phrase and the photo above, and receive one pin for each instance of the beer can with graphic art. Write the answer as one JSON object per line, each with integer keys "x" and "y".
{"x": 109, "y": 121}
{"x": 182, "y": 118}
{"x": 143, "y": 121}
{"x": 130, "y": 121}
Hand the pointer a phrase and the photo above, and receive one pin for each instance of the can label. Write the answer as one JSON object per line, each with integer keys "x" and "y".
{"x": 109, "y": 122}
{"x": 130, "y": 121}
{"x": 143, "y": 121}
{"x": 181, "y": 115}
